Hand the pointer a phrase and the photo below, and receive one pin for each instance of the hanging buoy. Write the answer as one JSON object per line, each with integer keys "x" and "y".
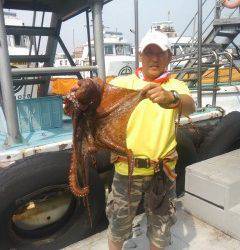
{"x": 231, "y": 5}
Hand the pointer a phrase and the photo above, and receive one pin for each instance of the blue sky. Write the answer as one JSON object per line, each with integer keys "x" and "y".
{"x": 119, "y": 14}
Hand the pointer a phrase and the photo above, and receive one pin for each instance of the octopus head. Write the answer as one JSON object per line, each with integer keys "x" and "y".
{"x": 89, "y": 92}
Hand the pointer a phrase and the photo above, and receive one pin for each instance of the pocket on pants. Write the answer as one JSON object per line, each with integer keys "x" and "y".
{"x": 161, "y": 195}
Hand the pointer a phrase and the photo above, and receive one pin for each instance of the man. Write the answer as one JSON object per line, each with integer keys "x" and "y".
{"x": 151, "y": 137}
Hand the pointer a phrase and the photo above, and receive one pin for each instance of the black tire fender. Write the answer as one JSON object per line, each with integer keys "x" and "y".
{"x": 37, "y": 172}
{"x": 187, "y": 155}
{"x": 224, "y": 138}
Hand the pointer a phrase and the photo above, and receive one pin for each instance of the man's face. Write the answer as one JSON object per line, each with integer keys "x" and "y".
{"x": 154, "y": 61}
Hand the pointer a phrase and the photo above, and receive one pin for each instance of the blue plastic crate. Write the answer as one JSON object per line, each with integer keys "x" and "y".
{"x": 40, "y": 113}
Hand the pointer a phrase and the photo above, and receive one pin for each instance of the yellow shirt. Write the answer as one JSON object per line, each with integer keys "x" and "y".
{"x": 151, "y": 128}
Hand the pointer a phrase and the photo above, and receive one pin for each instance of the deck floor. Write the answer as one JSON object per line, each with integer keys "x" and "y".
{"x": 39, "y": 138}
{"x": 188, "y": 233}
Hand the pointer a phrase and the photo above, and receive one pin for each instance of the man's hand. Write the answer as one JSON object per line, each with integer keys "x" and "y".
{"x": 157, "y": 94}
{"x": 164, "y": 98}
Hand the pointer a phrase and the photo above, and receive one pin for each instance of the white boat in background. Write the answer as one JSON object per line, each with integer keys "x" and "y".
{"x": 168, "y": 28}
{"x": 119, "y": 58}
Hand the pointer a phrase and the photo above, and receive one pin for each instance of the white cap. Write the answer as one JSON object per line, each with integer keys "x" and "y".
{"x": 155, "y": 37}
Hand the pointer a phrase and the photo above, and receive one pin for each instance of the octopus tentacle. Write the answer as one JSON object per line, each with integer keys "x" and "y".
{"x": 73, "y": 180}
{"x": 77, "y": 160}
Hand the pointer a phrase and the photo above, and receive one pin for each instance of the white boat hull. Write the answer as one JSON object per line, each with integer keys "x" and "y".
{"x": 228, "y": 98}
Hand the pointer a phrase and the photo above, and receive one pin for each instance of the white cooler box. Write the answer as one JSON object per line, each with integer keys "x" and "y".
{"x": 213, "y": 192}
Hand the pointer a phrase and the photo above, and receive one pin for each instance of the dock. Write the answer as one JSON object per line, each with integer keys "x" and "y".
{"x": 188, "y": 233}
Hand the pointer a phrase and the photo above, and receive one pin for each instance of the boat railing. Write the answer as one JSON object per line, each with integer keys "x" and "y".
{"x": 218, "y": 10}
{"x": 193, "y": 41}
{"x": 213, "y": 60}
{"x": 208, "y": 22}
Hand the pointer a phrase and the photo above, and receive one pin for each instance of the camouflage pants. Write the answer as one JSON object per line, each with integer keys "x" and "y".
{"x": 120, "y": 220}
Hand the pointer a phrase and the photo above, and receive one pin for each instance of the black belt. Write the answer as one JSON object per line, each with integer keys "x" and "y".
{"x": 143, "y": 163}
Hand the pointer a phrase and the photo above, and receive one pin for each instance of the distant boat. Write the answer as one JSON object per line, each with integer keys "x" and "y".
{"x": 119, "y": 58}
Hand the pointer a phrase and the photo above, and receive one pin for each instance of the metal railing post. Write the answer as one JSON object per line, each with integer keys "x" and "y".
{"x": 215, "y": 83}
{"x": 199, "y": 85}
{"x": 89, "y": 41}
{"x": 229, "y": 57}
{"x": 218, "y": 9}
{"x": 136, "y": 33}
{"x": 96, "y": 7}
{"x": 9, "y": 102}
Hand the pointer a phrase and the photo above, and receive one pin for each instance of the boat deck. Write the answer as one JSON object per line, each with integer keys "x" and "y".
{"x": 39, "y": 141}
{"x": 188, "y": 233}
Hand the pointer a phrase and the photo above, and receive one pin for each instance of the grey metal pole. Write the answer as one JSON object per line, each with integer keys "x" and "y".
{"x": 215, "y": 83}
{"x": 218, "y": 6}
{"x": 34, "y": 37}
{"x": 194, "y": 31}
{"x": 48, "y": 71}
{"x": 97, "y": 6}
{"x": 136, "y": 33}
{"x": 34, "y": 43}
{"x": 199, "y": 85}
{"x": 89, "y": 41}
{"x": 9, "y": 102}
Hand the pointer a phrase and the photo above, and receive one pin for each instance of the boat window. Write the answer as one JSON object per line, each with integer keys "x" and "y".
{"x": 119, "y": 49}
{"x": 127, "y": 50}
{"x": 20, "y": 40}
{"x": 17, "y": 40}
{"x": 9, "y": 40}
{"x": 108, "y": 50}
{"x": 25, "y": 41}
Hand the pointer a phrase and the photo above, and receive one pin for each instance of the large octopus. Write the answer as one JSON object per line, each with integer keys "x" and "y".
{"x": 100, "y": 113}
